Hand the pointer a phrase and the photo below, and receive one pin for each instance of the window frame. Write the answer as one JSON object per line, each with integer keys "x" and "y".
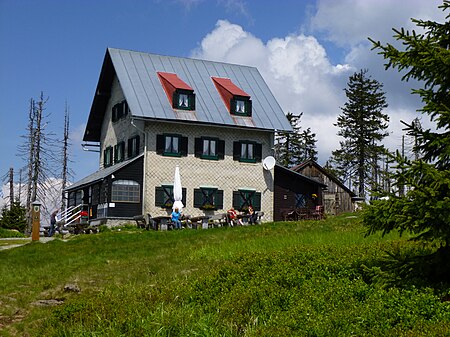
{"x": 243, "y": 198}
{"x": 117, "y": 195}
{"x": 165, "y": 192}
{"x": 238, "y": 153}
{"x": 190, "y": 98}
{"x": 133, "y": 146}
{"x": 108, "y": 156}
{"x": 200, "y": 147}
{"x": 208, "y": 198}
{"x": 247, "y": 104}
{"x": 161, "y": 141}
{"x": 120, "y": 110}
{"x": 119, "y": 148}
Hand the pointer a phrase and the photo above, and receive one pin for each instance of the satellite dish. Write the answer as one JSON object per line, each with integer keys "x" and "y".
{"x": 268, "y": 163}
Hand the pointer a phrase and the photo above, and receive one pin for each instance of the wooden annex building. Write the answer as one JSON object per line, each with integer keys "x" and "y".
{"x": 337, "y": 198}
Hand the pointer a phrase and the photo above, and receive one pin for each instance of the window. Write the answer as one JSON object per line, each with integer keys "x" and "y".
{"x": 164, "y": 196}
{"x": 120, "y": 110}
{"x": 241, "y": 106}
{"x": 76, "y": 198}
{"x": 180, "y": 94}
{"x": 209, "y": 148}
{"x": 244, "y": 198}
{"x": 300, "y": 200}
{"x": 184, "y": 100}
{"x": 125, "y": 191}
{"x": 208, "y": 198}
{"x": 133, "y": 147}
{"x": 247, "y": 151}
{"x": 108, "y": 156}
{"x": 171, "y": 145}
{"x": 119, "y": 152}
{"x": 236, "y": 100}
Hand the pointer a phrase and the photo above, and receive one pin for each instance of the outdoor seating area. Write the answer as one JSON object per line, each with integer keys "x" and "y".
{"x": 303, "y": 213}
{"x": 198, "y": 222}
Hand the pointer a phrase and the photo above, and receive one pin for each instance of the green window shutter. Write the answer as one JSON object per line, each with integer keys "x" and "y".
{"x": 159, "y": 196}
{"x": 160, "y": 144}
{"x": 130, "y": 148}
{"x": 184, "y": 146}
{"x": 198, "y": 198}
{"x": 114, "y": 113}
{"x": 198, "y": 148}
{"x": 104, "y": 158}
{"x": 218, "y": 199}
{"x": 221, "y": 149}
{"x": 126, "y": 109}
{"x": 258, "y": 152}
{"x": 233, "y": 106}
{"x": 192, "y": 101}
{"x": 116, "y": 153}
{"x": 236, "y": 150}
{"x": 183, "y": 196}
{"x": 237, "y": 200}
{"x": 138, "y": 144}
{"x": 248, "y": 107}
{"x": 175, "y": 98}
{"x": 257, "y": 201}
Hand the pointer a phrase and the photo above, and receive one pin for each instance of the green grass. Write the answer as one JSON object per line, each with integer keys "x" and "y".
{"x": 310, "y": 278}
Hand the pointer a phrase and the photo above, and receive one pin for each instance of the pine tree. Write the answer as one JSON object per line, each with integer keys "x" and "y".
{"x": 295, "y": 147}
{"x": 14, "y": 218}
{"x": 424, "y": 210}
{"x": 363, "y": 126}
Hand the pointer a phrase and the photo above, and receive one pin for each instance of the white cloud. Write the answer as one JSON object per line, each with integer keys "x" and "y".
{"x": 348, "y": 22}
{"x": 296, "y": 69}
{"x": 299, "y": 70}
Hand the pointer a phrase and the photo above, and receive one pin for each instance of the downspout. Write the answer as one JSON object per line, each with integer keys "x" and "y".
{"x": 144, "y": 165}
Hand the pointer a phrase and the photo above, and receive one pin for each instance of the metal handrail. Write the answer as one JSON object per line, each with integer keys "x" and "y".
{"x": 69, "y": 215}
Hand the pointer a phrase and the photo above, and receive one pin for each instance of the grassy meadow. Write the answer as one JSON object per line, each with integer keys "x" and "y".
{"x": 308, "y": 278}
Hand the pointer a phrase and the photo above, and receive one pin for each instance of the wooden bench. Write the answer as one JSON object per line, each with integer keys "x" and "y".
{"x": 218, "y": 220}
{"x": 199, "y": 220}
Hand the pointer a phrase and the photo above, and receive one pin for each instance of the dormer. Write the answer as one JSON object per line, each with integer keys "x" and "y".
{"x": 181, "y": 96}
{"x": 236, "y": 100}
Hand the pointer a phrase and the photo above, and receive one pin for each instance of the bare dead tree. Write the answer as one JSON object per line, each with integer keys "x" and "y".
{"x": 65, "y": 160}
{"x": 39, "y": 149}
{"x": 11, "y": 187}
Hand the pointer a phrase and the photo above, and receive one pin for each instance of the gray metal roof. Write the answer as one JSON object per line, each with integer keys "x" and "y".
{"x": 137, "y": 74}
{"x": 101, "y": 174}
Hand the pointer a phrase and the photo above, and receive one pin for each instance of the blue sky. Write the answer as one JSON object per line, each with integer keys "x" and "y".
{"x": 306, "y": 50}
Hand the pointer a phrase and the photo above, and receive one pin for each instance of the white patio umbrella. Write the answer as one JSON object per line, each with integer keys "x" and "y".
{"x": 177, "y": 190}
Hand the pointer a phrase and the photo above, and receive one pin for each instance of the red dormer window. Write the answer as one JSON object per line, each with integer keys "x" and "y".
{"x": 236, "y": 100}
{"x": 180, "y": 94}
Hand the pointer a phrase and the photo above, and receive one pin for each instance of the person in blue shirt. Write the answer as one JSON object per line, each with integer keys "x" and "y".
{"x": 175, "y": 216}
{"x": 52, "y": 229}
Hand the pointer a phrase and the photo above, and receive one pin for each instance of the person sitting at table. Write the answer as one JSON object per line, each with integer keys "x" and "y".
{"x": 253, "y": 216}
{"x": 232, "y": 216}
{"x": 175, "y": 217}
